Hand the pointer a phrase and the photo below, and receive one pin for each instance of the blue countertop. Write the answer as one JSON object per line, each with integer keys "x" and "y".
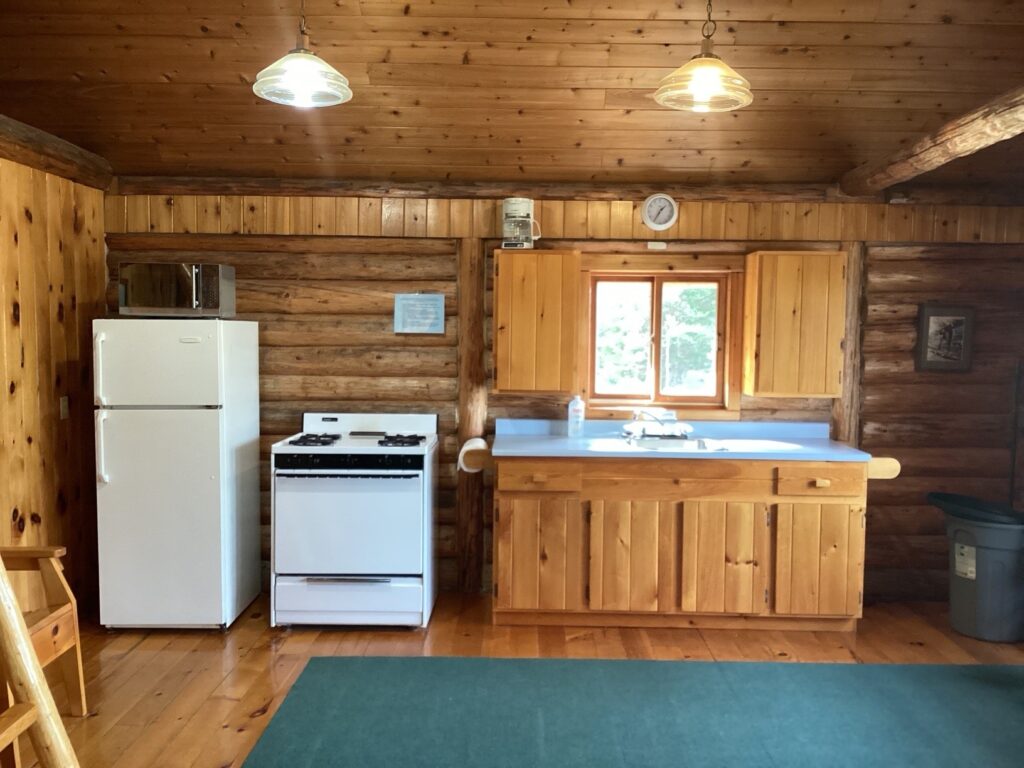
{"x": 748, "y": 440}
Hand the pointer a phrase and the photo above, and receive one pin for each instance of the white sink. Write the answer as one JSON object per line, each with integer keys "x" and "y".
{"x": 750, "y": 445}
{"x": 670, "y": 444}
{"x": 728, "y": 445}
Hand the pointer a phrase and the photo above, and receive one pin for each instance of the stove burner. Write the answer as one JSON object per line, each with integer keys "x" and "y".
{"x": 401, "y": 441}
{"x": 310, "y": 439}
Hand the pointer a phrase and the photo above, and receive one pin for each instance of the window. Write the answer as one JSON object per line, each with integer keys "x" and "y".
{"x": 658, "y": 338}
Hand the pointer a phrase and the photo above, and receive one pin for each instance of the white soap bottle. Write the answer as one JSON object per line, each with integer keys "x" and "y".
{"x": 577, "y": 413}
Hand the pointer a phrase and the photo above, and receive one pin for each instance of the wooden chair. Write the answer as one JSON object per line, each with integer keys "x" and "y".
{"x": 53, "y": 633}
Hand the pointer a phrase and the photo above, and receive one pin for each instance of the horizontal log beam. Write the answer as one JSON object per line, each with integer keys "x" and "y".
{"x": 998, "y": 120}
{"x": 37, "y": 149}
{"x": 181, "y": 185}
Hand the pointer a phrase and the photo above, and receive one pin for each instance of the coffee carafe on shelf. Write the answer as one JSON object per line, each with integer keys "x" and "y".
{"x": 519, "y": 230}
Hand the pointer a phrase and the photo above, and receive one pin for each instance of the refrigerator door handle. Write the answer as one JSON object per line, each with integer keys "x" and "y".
{"x": 101, "y": 454}
{"x": 97, "y": 367}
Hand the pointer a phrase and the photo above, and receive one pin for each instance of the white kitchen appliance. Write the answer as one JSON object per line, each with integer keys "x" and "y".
{"x": 352, "y": 520}
{"x": 518, "y": 228}
{"x": 177, "y": 470}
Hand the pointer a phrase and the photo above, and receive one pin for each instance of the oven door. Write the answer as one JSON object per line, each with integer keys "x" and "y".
{"x": 348, "y": 524}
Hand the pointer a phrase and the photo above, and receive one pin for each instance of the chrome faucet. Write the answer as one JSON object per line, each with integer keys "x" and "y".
{"x": 663, "y": 417}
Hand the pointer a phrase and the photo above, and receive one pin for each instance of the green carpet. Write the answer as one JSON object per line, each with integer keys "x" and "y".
{"x": 524, "y": 713}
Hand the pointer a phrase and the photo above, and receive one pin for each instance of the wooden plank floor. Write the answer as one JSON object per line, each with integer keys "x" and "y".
{"x": 180, "y": 699}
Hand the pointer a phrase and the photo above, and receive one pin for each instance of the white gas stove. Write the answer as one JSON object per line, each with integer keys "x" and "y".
{"x": 352, "y": 520}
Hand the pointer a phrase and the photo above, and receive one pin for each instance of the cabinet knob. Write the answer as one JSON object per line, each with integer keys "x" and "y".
{"x": 538, "y": 478}
{"x": 822, "y": 482}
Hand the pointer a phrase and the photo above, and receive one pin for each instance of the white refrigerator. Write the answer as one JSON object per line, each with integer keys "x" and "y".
{"x": 177, "y": 470}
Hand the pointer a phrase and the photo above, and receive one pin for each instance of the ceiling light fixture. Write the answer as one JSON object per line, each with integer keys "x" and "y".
{"x": 705, "y": 83}
{"x": 301, "y": 78}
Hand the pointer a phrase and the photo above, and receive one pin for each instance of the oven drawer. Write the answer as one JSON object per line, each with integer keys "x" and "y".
{"x": 348, "y": 525}
{"x": 348, "y": 600}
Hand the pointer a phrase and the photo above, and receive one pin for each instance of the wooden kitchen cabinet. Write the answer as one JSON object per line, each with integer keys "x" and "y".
{"x": 819, "y": 559}
{"x": 794, "y": 323}
{"x": 677, "y": 542}
{"x": 726, "y": 557}
{"x": 540, "y": 548}
{"x": 536, "y": 307}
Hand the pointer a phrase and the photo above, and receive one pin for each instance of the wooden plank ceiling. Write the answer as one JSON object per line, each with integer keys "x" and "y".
{"x": 478, "y": 90}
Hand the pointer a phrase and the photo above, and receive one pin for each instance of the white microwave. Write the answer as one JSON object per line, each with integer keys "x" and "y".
{"x": 161, "y": 289}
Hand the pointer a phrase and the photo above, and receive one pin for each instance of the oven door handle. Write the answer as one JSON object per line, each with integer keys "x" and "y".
{"x": 348, "y": 580}
{"x": 329, "y": 476}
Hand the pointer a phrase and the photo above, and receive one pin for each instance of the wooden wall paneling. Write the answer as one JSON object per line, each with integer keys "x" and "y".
{"x": 43, "y": 465}
{"x": 115, "y": 213}
{"x": 41, "y": 432}
{"x": 161, "y": 213}
{"x": 392, "y": 217}
{"x": 369, "y": 216}
{"x": 300, "y": 215}
{"x": 207, "y": 214}
{"x": 230, "y": 215}
{"x": 185, "y": 213}
{"x": 278, "y": 215}
{"x": 324, "y": 217}
{"x": 15, "y": 480}
{"x": 346, "y": 215}
{"x": 711, "y": 219}
{"x": 254, "y": 214}
{"x": 438, "y": 218}
{"x": 461, "y": 218}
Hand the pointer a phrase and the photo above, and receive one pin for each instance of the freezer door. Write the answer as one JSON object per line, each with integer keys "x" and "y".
{"x": 143, "y": 362}
{"x": 159, "y": 517}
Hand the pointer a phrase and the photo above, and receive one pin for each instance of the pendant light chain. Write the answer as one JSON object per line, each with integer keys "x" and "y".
{"x": 302, "y": 16}
{"x": 707, "y": 29}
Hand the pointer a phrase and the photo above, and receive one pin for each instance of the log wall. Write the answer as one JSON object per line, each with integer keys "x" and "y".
{"x": 914, "y": 253}
{"x": 325, "y": 312}
{"x": 952, "y": 431}
{"x": 51, "y": 287}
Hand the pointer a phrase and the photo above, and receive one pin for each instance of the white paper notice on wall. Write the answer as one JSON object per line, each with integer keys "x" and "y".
{"x": 419, "y": 313}
{"x": 966, "y": 558}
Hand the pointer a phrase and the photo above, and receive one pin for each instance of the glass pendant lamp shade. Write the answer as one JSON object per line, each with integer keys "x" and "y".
{"x": 302, "y": 79}
{"x": 704, "y": 84}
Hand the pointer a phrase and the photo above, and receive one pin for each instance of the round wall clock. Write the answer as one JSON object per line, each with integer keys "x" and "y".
{"x": 660, "y": 211}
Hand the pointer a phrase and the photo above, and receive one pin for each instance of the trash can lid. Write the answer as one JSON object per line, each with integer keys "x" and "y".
{"x": 978, "y": 510}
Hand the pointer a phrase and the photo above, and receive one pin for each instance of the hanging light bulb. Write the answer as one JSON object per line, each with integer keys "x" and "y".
{"x": 705, "y": 83}
{"x": 301, "y": 78}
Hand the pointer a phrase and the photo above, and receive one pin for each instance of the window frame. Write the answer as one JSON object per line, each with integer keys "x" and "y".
{"x": 657, "y": 280}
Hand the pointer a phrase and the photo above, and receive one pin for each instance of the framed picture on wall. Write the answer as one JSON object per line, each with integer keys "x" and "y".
{"x": 945, "y": 337}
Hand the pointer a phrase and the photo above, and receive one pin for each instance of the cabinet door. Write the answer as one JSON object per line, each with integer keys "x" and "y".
{"x": 633, "y": 555}
{"x": 536, "y": 307}
{"x": 819, "y": 559}
{"x": 540, "y": 553}
{"x": 795, "y": 319}
{"x": 725, "y": 557}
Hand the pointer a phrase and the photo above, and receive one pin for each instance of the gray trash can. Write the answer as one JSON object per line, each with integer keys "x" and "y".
{"x": 986, "y": 567}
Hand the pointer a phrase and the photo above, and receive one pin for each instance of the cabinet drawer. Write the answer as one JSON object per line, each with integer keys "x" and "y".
{"x": 539, "y": 476}
{"x": 822, "y": 479}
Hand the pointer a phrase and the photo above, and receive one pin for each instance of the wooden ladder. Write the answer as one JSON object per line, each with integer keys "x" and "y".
{"x": 34, "y": 710}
